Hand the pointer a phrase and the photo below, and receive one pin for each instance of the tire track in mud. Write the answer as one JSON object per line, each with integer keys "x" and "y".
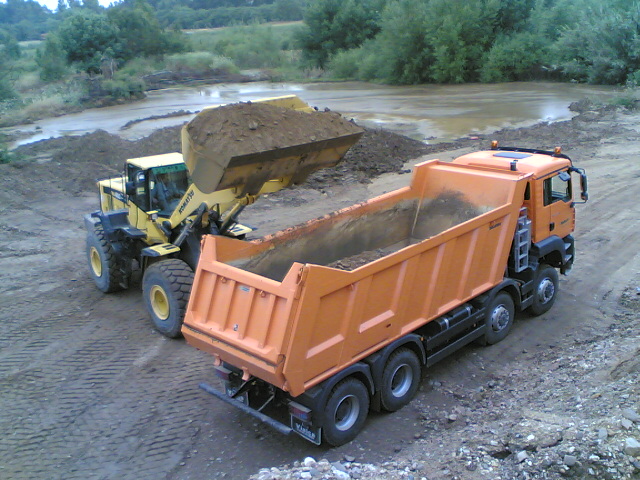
{"x": 70, "y": 401}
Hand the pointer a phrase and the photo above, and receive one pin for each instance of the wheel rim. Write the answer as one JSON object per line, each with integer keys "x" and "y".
{"x": 96, "y": 264}
{"x": 500, "y": 318}
{"x": 546, "y": 290}
{"x": 159, "y": 302}
{"x": 346, "y": 413}
{"x": 401, "y": 381}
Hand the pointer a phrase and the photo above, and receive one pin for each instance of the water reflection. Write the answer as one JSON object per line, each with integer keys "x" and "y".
{"x": 425, "y": 112}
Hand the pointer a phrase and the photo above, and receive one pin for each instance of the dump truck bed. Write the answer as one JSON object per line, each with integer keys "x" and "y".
{"x": 282, "y": 308}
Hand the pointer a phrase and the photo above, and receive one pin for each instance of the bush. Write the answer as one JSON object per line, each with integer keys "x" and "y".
{"x": 199, "y": 62}
{"x": 52, "y": 60}
{"x": 7, "y": 92}
{"x": 518, "y": 57}
{"x": 124, "y": 87}
{"x": 139, "y": 67}
{"x": 345, "y": 64}
{"x": 5, "y": 154}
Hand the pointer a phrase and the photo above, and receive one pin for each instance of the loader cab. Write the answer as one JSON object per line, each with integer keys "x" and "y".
{"x": 157, "y": 183}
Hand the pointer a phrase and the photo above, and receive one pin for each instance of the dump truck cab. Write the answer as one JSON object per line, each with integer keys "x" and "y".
{"x": 550, "y": 197}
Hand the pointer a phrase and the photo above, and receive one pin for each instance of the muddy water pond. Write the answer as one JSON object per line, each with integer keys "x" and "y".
{"x": 424, "y": 112}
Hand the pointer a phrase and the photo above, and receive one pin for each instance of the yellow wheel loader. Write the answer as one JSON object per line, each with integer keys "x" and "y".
{"x": 153, "y": 217}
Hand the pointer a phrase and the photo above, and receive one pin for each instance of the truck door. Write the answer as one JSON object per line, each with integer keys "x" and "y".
{"x": 557, "y": 212}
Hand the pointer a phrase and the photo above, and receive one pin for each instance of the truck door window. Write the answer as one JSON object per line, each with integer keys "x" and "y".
{"x": 557, "y": 188}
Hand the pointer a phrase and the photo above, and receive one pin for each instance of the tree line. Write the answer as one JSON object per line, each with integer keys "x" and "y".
{"x": 456, "y": 41}
{"x": 28, "y": 20}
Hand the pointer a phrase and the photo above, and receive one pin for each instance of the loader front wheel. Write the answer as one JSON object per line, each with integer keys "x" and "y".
{"x": 166, "y": 286}
{"x": 346, "y": 411}
{"x": 103, "y": 264}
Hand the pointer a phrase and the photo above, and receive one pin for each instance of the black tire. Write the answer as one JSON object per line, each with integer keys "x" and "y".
{"x": 103, "y": 263}
{"x": 545, "y": 290}
{"x": 345, "y": 412}
{"x": 499, "y": 318}
{"x": 400, "y": 379}
{"x": 166, "y": 286}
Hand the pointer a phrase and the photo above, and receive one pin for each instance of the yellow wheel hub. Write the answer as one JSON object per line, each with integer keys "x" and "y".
{"x": 96, "y": 264}
{"x": 159, "y": 302}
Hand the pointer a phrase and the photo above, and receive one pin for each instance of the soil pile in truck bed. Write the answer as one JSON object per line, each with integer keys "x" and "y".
{"x": 436, "y": 215}
{"x": 244, "y": 128}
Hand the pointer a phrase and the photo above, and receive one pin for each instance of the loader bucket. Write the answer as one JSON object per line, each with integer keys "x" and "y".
{"x": 246, "y": 144}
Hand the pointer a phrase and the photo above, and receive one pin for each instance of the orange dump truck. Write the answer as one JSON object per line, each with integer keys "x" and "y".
{"x": 313, "y": 326}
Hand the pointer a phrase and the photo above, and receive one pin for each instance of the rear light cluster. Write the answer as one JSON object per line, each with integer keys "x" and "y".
{"x": 300, "y": 412}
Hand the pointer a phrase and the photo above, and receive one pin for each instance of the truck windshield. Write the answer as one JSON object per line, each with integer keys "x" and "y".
{"x": 167, "y": 185}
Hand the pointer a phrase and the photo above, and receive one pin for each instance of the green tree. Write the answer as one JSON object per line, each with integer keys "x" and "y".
{"x": 85, "y": 37}
{"x": 9, "y": 45}
{"x": 460, "y": 32}
{"x": 334, "y": 25}
{"x": 603, "y": 46}
{"x": 140, "y": 33}
{"x": 52, "y": 60}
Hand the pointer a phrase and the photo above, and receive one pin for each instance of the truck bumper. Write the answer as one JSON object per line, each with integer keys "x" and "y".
{"x": 280, "y": 427}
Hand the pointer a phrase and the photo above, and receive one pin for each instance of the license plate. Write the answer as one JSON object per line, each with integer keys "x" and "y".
{"x": 306, "y": 431}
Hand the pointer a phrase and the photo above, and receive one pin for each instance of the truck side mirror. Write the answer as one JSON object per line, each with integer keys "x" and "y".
{"x": 584, "y": 193}
{"x": 583, "y": 184}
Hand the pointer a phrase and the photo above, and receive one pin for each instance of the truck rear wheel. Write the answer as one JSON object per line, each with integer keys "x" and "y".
{"x": 345, "y": 412}
{"x": 103, "y": 263}
{"x": 499, "y": 319}
{"x": 545, "y": 290}
{"x": 400, "y": 379}
{"x": 166, "y": 286}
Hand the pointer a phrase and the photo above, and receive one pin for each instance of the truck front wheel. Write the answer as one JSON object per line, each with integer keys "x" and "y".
{"x": 166, "y": 286}
{"x": 499, "y": 319}
{"x": 545, "y": 290}
{"x": 400, "y": 379}
{"x": 346, "y": 411}
{"x": 103, "y": 264}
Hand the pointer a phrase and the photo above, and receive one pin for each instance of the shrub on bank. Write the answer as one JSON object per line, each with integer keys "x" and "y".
{"x": 124, "y": 87}
{"x": 193, "y": 62}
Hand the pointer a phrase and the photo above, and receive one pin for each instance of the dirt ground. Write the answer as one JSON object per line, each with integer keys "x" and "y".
{"x": 88, "y": 390}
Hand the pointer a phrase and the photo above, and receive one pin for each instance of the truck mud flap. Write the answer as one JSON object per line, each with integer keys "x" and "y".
{"x": 280, "y": 427}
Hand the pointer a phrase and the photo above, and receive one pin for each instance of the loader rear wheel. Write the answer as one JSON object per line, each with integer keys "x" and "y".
{"x": 400, "y": 379}
{"x": 545, "y": 290}
{"x": 103, "y": 263}
{"x": 499, "y": 318}
{"x": 166, "y": 286}
{"x": 346, "y": 411}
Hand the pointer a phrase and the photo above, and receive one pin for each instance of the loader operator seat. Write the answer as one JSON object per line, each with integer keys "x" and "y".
{"x": 165, "y": 194}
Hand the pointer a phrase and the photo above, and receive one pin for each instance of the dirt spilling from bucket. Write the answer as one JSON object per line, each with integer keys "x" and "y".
{"x": 245, "y": 128}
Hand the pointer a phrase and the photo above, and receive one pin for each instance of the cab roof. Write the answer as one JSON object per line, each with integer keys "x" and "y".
{"x": 156, "y": 160}
{"x": 538, "y": 163}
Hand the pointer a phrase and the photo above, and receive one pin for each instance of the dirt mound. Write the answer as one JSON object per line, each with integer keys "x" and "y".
{"x": 73, "y": 164}
{"x": 244, "y": 128}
